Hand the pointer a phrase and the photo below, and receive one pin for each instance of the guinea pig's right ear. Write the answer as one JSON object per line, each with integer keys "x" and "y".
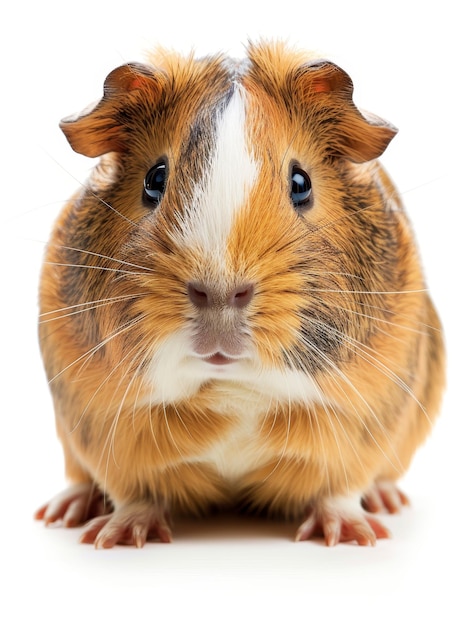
{"x": 101, "y": 128}
{"x": 355, "y": 135}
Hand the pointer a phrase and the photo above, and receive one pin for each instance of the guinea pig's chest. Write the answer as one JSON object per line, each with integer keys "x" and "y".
{"x": 227, "y": 414}
{"x": 241, "y": 447}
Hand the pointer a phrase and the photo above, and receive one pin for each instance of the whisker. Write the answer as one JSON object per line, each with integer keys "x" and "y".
{"x": 285, "y": 444}
{"x": 87, "y": 306}
{"x": 401, "y": 315}
{"x": 365, "y": 352}
{"x": 102, "y": 256}
{"x": 97, "y": 391}
{"x": 119, "y": 410}
{"x": 109, "y": 443}
{"x": 88, "y": 189}
{"x": 169, "y": 430}
{"x": 370, "y": 292}
{"x": 311, "y": 407}
{"x": 341, "y": 375}
{"x": 330, "y": 409}
{"x": 151, "y": 426}
{"x": 89, "y": 353}
{"x": 95, "y": 267}
{"x": 373, "y": 318}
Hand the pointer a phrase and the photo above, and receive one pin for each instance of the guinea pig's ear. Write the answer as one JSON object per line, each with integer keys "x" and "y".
{"x": 356, "y": 136}
{"x": 101, "y": 127}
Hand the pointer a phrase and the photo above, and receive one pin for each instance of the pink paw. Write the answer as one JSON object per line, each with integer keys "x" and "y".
{"x": 339, "y": 520}
{"x": 131, "y": 524}
{"x": 74, "y": 506}
{"x": 383, "y": 496}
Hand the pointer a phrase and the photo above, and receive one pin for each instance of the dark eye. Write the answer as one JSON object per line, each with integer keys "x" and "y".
{"x": 301, "y": 189}
{"x": 154, "y": 183}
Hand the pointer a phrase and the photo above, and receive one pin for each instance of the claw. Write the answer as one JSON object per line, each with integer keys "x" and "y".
{"x": 132, "y": 524}
{"x": 341, "y": 520}
{"x": 383, "y": 496}
{"x": 74, "y": 505}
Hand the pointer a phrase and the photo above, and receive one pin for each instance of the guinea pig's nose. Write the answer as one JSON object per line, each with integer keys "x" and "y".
{"x": 203, "y": 296}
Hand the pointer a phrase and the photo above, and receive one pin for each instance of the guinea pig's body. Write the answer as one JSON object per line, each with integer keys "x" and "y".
{"x": 232, "y": 308}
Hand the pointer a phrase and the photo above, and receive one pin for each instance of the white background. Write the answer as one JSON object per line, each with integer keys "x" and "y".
{"x": 410, "y": 64}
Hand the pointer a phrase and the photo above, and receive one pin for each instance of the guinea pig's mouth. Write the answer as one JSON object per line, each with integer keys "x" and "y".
{"x": 218, "y": 358}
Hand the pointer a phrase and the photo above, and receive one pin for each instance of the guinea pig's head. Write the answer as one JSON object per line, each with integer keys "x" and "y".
{"x": 226, "y": 199}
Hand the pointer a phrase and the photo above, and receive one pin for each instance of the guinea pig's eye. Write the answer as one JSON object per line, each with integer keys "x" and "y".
{"x": 154, "y": 183}
{"x": 301, "y": 189}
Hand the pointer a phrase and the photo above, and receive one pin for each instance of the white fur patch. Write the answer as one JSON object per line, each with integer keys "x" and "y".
{"x": 208, "y": 218}
{"x": 176, "y": 373}
{"x": 244, "y": 391}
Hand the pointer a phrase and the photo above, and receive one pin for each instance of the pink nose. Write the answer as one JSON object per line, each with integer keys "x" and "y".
{"x": 203, "y": 296}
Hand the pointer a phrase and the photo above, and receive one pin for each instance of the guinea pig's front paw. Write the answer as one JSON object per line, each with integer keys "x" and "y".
{"x": 74, "y": 506}
{"x": 131, "y": 524}
{"x": 384, "y": 495}
{"x": 341, "y": 519}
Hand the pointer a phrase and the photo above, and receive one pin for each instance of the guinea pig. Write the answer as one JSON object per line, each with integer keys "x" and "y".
{"x": 232, "y": 308}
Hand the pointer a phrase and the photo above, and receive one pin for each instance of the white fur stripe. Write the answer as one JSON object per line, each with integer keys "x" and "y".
{"x": 224, "y": 189}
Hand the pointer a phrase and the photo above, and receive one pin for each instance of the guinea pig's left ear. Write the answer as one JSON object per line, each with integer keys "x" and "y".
{"x": 101, "y": 128}
{"x": 355, "y": 135}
